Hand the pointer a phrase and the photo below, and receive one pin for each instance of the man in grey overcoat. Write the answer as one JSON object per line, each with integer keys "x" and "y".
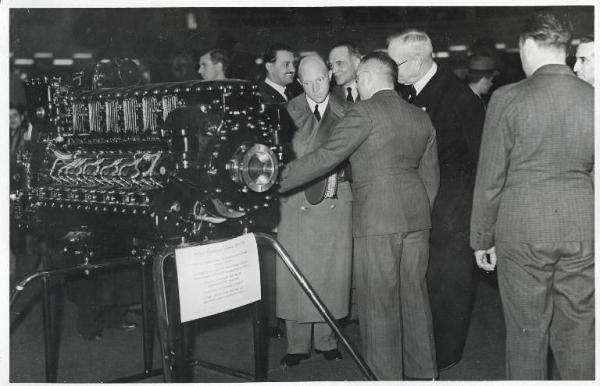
{"x": 315, "y": 225}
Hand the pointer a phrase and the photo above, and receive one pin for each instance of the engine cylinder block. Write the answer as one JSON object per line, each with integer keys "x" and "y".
{"x": 157, "y": 160}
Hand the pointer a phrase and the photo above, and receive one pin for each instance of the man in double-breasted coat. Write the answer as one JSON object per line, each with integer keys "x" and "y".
{"x": 457, "y": 115}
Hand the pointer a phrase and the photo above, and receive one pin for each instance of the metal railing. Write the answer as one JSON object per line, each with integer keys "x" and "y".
{"x": 166, "y": 333}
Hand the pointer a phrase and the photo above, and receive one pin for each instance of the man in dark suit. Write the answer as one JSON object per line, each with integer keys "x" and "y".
{"x": 457, "y": 115}
{"x": 395, "y": 177}
{"x": 280, "y": 69}
{"x": 344, "y": 58}
{"x": 279, "y": 63}
{"x": 315, "y": 225}
{"x": 275, "y": 91}
{"x": 533, "y": 207}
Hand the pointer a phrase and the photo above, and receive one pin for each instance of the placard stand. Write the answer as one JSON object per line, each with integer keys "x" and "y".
{"x": 172, "y": 336}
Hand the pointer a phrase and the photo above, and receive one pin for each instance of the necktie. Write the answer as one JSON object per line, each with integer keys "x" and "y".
{"x": 412, "y": 93}
{"x": 349, "y": 97}
{"x": 317, "y": 113}
{"x": 288, "y": 93}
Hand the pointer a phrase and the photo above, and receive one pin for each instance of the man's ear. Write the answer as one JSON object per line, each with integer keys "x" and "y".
{"x": 355, "y": 61}
{"x": 419, "y": 59}
{"x": 269, "y": 66}
{"x": 529, "y": 45}
{"x": 329, "y": 74}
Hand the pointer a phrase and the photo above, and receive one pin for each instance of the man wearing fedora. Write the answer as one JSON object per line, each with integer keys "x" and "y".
{"x": 480, "y": 76}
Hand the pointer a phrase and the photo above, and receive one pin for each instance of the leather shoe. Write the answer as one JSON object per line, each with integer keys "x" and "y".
{"x": 293, "y": 359}
{"x": 330, "y": 355}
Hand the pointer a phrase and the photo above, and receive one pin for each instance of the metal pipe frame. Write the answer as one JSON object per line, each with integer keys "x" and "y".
{"x": 49, "y": 339}
{"x": 165, "y": 332}
{"x": 317, "y": 302}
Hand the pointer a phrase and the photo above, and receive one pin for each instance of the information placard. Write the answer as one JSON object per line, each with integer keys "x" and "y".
{"x": 218, "y": 277}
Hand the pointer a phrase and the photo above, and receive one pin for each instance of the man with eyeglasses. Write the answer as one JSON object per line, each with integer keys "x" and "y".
{"x": 395, "y": 175}
{"x": 457, "y": 115}
{"x": 315, "y": 225}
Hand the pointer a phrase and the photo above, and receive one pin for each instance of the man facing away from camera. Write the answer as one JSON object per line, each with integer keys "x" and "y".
{"x": 533, "y": 208}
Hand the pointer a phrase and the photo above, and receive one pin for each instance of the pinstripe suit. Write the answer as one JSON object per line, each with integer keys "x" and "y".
{"x": 534, "y": 200}
{"x": 395, "y": 171}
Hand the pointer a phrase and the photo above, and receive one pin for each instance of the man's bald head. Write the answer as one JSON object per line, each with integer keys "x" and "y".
{"x": 311, "y": 63}
{"x": 314, "y": 76}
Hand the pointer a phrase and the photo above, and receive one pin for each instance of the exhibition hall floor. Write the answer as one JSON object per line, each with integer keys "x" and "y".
{"x": 227, "y": 340}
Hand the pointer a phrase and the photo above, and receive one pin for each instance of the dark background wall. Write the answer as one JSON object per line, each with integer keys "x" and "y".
{"x": 169, "y": 40}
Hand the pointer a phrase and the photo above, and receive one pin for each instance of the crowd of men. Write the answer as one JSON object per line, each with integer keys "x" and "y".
{"x": 436, "y": 173}
{"x": 399, "y": 170}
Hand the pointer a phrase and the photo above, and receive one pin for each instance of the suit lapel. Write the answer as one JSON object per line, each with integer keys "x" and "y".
{"x": 274, "y": 95}
{"x": 323, "y": 128}
{"x": 332, "y": 114}
{"x": 429, "y": 97}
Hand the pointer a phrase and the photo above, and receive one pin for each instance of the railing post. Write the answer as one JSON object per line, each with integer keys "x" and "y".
{"x": 49, "y": 350}
{"x": 316, "y": 300}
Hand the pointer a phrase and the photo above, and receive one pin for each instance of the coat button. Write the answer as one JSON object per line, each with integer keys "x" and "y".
{"x": 332, "y": 206}
{"x": 302, "y": 207}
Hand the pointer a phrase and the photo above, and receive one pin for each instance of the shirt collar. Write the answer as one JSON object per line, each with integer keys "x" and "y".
{"x": 280, "y": 89}
{"x": 322, "y": 105}
{"x": 354, "y": 88}
{"x": 421, "y": 83}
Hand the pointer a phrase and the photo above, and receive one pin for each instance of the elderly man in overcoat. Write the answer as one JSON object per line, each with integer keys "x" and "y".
{"x": 457, "y": 115}
{"x": 315, "y": 225}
